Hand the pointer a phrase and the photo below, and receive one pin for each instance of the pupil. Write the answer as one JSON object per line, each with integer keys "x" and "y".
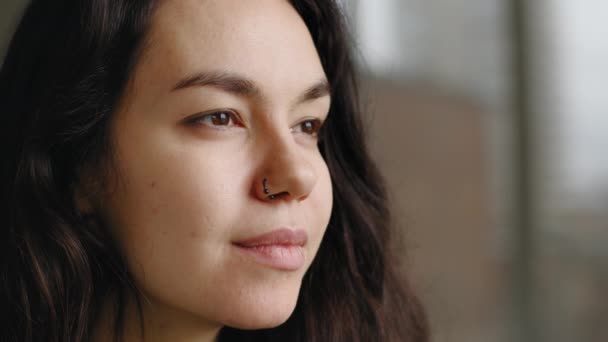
{"x": 221, "y": 119}
{"x": 308, "y": 127}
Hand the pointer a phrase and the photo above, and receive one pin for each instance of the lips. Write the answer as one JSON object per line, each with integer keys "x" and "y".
{"x": 281, "y": 249}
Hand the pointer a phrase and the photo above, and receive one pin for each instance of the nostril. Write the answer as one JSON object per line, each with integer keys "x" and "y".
{"x": 279, "y": 195}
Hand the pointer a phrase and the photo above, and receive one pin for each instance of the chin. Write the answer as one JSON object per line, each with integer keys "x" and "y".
{"x": 263, "y": 314}
{"x": 261, "y": 322}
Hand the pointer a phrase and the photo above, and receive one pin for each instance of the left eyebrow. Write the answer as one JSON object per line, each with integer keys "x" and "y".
{"x": 244, "y": 87}
{"x": 316, "y": 91}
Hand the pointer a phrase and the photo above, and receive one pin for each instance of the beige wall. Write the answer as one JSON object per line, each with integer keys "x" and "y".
{"x": 430, "y": 148}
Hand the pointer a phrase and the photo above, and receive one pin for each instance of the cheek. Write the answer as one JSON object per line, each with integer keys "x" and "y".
{"x": 169, "y": 200}
{"x": 170, "y": 215}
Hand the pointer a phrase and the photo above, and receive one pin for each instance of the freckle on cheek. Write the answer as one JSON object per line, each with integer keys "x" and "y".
{"x": 153, "y": 185}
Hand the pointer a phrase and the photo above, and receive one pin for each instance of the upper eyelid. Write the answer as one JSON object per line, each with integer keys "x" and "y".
{"x": 233, "y": 113}
{"x": 319, "y": 120}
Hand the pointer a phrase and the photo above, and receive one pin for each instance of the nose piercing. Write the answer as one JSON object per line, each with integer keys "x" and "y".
{"x": 266, "y": 191}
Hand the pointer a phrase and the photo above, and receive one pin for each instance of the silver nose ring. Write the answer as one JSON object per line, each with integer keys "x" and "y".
{"x": 266, "y": 190}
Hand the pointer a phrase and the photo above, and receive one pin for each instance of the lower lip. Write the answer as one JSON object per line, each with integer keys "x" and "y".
{"x": 280, "y": 257}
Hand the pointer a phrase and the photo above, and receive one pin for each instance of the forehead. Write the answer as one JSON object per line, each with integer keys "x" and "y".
{"x": 265, "y": 40}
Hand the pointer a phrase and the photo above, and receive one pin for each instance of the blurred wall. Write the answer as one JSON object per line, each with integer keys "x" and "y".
{"x": 436, "y": 87}
{"x": 430, "y": 146}
{"x": 457, "y": 45}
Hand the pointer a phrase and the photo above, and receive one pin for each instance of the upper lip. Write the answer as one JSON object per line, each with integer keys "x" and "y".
{"x": 281, "y": 236}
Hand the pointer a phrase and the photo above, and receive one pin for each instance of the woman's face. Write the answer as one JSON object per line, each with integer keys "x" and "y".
{"x": 226, "y": 93}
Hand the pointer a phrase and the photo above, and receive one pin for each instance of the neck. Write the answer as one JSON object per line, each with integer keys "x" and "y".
{"x": 160, "y": 323}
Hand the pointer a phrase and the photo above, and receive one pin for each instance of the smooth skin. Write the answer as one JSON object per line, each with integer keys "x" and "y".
{"x": 227, "y": 93}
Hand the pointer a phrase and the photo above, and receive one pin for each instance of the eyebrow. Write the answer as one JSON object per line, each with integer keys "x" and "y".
{"x": 244, "y": 87}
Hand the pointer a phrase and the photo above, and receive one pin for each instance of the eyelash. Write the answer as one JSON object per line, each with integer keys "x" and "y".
{"x": 317, "y": 124}
{"x": 231, "y": 116}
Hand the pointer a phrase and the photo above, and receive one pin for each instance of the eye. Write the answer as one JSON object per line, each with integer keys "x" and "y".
{"x": 222, "y": 119}
{"x": 310, "y": 127}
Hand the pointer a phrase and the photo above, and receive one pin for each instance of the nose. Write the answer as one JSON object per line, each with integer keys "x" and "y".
{"x": 286, "y": 174}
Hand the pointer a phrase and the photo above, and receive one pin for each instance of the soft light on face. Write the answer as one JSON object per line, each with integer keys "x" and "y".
{"x": 227, "y": 93}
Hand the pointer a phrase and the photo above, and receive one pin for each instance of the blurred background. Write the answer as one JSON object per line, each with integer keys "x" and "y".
{"x": 489, "y": 119}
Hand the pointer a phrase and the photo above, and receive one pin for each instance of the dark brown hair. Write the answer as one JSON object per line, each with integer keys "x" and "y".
{"x": 65, "y": 71}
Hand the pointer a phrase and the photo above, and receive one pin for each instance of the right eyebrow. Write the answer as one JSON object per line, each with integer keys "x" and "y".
{"x": 228, "y": 82}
